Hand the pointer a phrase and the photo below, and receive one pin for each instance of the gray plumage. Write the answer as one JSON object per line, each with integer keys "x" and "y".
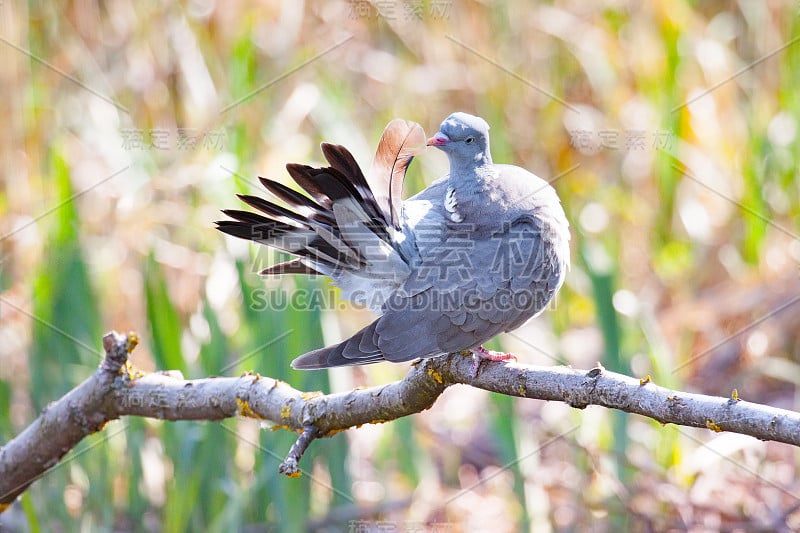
{"x": 477, "y": 253}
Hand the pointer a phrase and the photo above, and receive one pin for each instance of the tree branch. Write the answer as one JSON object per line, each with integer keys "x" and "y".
{"x": 117, "y": 390}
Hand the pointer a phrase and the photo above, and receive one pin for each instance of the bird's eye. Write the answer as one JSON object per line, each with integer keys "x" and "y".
{"x": 469, "y": 140}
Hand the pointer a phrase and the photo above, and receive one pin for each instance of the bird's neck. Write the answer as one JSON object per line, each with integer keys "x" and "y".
{"x": 479, "y": 169}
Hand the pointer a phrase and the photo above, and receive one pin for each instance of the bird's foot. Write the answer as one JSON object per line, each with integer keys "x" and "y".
{"x": 481, "y": 354}
{"x": 491, "y": 355}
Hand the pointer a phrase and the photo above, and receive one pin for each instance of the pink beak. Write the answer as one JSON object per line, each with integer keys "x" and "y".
{"x": 439, "y": 139}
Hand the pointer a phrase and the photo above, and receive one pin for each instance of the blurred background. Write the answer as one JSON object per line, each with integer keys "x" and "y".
{"x": 668, "y": 129}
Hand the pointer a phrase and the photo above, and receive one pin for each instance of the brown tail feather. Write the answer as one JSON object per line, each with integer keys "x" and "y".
{"x": 400, "y": 142}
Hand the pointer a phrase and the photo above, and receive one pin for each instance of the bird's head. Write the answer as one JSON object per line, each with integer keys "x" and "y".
{"x": 463, "y": 137}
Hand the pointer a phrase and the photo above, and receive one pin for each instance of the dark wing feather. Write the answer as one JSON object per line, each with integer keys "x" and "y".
{"x": 282, "y": 236}
{"x": 257, "y": 221}
{"x": 326, "y": 185}
{"x": 302, "y": 175}
{"x": 295, "y": 266}
{"x": 297, "y": 200}
{"x": 343, "y": 161}
{"x": 272, "y": 209}
{"x": 322, "y": 228}
{"x": 242, "y": 230}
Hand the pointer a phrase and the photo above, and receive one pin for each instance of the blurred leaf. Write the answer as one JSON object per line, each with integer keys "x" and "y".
{"x": 753, "y": 208}
{"x": 202, "y": 455}
{"x": 504, "y": 429}
{"x": 7, "y": 429}
{"x": 214, "y": 353}
{"x": 601, "y": 270}
{"x": 66, "y": 325}
{"x": 162, "y": 318}
{"x": 136, "y": 503}
{"x": 29, "y": 508}
{"x": 243, "y": 67}
{"x": 666, "y": 91}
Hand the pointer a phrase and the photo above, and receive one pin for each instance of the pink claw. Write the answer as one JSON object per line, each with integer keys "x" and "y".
{"x": 481, "y": 354}
{"x": 491, "y": 355}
